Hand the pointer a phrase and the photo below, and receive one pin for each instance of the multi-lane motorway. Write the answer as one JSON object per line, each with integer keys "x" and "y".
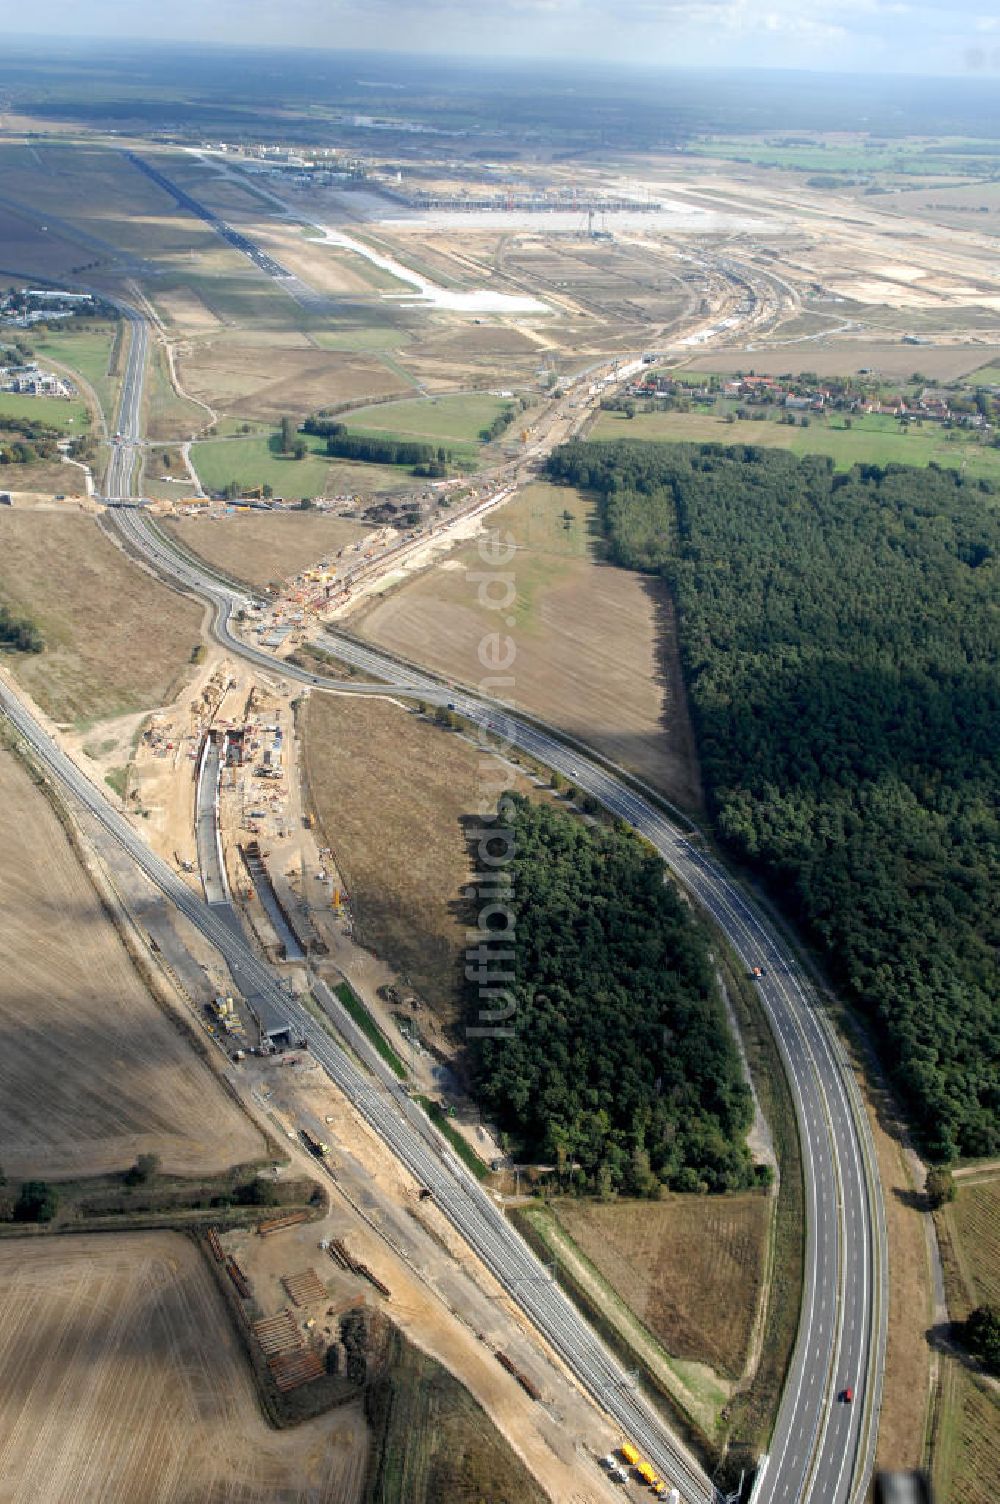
{"x": 822, "y": 1450}
{"x": 404, "y": 1128}
{"x": 127, "y": 445}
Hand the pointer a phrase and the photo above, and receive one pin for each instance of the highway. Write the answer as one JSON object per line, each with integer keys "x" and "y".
{"x": 374, "y": 1092}
{"x": 821, "y": 1451}
{"x": 403, "y": 1127}
{"x": 127, "y": 448}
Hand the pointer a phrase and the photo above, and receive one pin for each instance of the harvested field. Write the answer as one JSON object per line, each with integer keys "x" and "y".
{"x": 40, "y": 482}
{"x": 268, "y": 383}
{"x": 391, "y": 792}
{"x": 92, "y": 1072}
{"x": 262, "y": 546}
{"x": 692, "y": 1269}
{"x": 123, "y": 1381}
{"x": 596, "y": 651}
{"x": 967, "y": 1451}
{"x": 974, "y": 1217}
{"x": 894, "y": 362}
{"x": 98, "y": 662}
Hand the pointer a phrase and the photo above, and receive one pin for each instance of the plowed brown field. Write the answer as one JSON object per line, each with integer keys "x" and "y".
{"x": 122, "y": 1382}
{"x": 92, "y": 1073}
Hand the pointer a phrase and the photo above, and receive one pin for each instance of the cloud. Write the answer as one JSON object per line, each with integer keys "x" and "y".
{"x": 853, "y": 35}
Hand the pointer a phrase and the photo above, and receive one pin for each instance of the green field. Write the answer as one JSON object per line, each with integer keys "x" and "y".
{"x": 904, "y": 157}
{"x": 254, "y": 460}
{"x": 461, "y": 1146}
{"x": 370, "y": 1028}
{"x": 988, "y": 376}
{"x": 69, "y": 415}
{"x": 872, "y": 440}
{"x": 451, "y": 421}
{"x": 87, "y": 350}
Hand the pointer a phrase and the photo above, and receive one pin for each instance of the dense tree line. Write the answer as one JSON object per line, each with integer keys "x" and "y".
{"x": 499, "y": 426}
{"x": 840, "y": 636}
{"x": 323, "y": 428}
{"x": 425, "y": 460}
{"x": 19, "y": 632}
{"x": 375, "y": 449}
{"x": 620, "y": 1067}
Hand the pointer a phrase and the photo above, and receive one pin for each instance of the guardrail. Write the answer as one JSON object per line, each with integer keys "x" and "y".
{"x": 762, "y": 1467}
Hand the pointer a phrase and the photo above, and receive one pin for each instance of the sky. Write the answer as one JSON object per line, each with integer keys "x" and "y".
{"x": 871, "y": 36}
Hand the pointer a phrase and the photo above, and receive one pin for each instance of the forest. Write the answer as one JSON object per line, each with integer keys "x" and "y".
{"x": 840, "y": 636}
{"x": 620, "y": 1069}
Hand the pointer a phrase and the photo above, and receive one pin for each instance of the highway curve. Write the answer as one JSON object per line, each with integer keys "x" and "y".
{"x": 821, "y": 1451}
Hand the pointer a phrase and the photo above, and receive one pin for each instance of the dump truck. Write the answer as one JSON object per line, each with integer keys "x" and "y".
{"x": 630, "y": 1454}
{"x": 647, "y": 1473}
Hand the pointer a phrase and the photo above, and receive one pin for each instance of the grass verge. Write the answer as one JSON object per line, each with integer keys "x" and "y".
{"x": 461, "y": 1146}
{"x": 370, "y": 1028}
{"x": 752, "y": 1411}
